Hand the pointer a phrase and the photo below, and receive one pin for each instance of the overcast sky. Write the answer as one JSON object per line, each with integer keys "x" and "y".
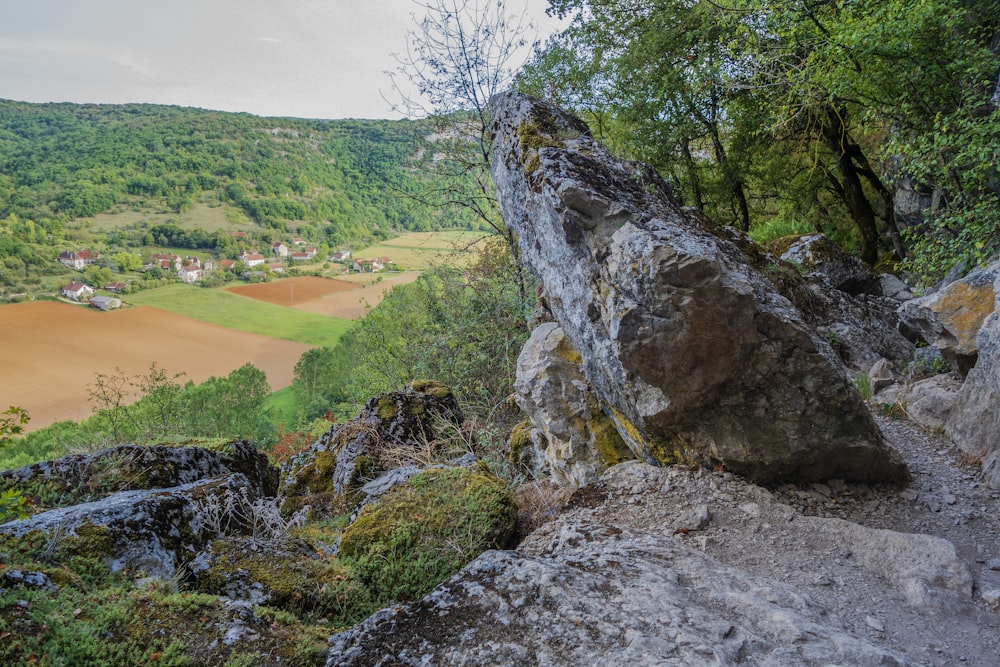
{"x": 303, "y": 58}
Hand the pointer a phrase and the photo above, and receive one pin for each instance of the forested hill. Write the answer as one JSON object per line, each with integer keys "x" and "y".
{"x": 349, "y": 178}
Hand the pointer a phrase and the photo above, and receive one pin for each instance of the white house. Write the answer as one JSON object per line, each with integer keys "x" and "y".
{"x": 76, "y": 291}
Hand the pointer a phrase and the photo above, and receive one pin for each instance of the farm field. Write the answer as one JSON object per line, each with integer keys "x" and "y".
{"x": 218, "y": 306}
{"x": 50, "y": 352}
{"x": 349, "y": 298}
{"x": 419, "y": 251}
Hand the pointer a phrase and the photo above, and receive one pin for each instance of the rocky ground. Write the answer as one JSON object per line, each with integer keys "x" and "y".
{"x": 908, "y": 595}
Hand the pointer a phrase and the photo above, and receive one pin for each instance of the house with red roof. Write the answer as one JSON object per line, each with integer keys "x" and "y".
{"x": 76, "y": 291}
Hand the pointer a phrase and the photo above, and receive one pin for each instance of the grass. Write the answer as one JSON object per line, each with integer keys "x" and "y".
{"x": 226, "y": 309}
{"x": 423, "y": 250}
{"x": 284, "y": 406}
{"x": 199, "y": 216}
{"x": 777, "y": 228}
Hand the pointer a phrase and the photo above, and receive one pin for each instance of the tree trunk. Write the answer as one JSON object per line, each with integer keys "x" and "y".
{"x": 835, "y": 132}
{"x": 692, "y": 171}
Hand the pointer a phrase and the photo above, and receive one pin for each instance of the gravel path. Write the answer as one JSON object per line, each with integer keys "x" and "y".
{"x": 915, "y": 594}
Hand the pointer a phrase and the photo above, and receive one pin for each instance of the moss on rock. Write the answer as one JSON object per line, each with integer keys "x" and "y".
{"x": 424, "y": 531}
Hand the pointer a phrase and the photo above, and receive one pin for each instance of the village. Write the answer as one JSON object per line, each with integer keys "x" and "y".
{"x": 253, "y": 266}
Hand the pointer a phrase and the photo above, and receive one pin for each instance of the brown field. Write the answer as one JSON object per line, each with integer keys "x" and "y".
{"x": 50, "y": 352}
{"x": 349, "y": 298}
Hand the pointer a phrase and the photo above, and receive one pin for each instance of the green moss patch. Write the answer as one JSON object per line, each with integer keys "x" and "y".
{"x": 426, "y": 530}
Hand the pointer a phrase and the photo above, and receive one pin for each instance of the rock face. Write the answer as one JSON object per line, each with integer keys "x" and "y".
{"x": 613, "y": 580}
{"x": 974, "y": 423}
{"x": 690, "y": 350}
{"x": 581, "y": 441}
{"x": 950, "y": 318}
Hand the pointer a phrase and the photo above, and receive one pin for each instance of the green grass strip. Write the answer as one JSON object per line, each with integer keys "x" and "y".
{"x": 244, "y": 314}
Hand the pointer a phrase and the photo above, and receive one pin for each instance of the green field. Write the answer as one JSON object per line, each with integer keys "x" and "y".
{"x": 236, "y": 312}
{"x": 199, "y": 216}
{"x": 422, "y": 250}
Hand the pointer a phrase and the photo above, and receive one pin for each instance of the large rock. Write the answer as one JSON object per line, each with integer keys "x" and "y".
{"x": 85, "y": 477}
{"x": 391, "y": 430}
{"x": 974, "y": 423}
{"x": 822, "y": 258}
{"x": 150, "y": 531}
{"x": 692, "y": 351}
{"x": 950, "y": 318}
{"x": 862, "y": 329}
{"x": 581, "y": 441}
{"x": 930, "y": 402}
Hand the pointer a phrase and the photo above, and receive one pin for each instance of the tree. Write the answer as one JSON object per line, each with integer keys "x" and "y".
{"x": 817, "y": 102}
{"x": 12, "y": 422}
{"x": 127, "y": 261}
{"x": 97, "y": 275}
{"x": 459, "y": 54}
{"x": 13, "y": 505}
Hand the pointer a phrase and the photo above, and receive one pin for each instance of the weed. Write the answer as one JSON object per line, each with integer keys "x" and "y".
{"x": 863, "y": 384}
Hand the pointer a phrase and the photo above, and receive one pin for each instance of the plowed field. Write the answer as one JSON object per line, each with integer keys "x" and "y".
{"x": 50, "y": 352}
{"x": 346, "y": 299}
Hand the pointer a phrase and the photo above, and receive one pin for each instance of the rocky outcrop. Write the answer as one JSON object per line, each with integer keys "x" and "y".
{"x": 150, "y": 531}
{"x": 690, "y": 349}
{"x": 86, "y": 477}
{"x": 823, "y": 259}
{"x": 951, "y": 317}
{"x": 390, "y": 431}
{"x": 580, "y": 440}
{"x": 861, "y": 329}
{"x": 625, "y": 576}
{"x": 974, "y": 424}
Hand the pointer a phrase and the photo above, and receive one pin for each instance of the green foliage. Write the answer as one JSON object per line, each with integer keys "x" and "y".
{"x": 463, "y": 328}
{"x": 863, "y": 384}
{"x": 152, "y": 408}
{"x": 420, "y": 533}
{"x": 67, "y": 161}
{"x": 798, "y": 111}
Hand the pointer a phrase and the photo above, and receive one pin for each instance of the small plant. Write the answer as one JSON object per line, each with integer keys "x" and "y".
{"x": 863, "y": 383}
{"x": 236, "y": 513}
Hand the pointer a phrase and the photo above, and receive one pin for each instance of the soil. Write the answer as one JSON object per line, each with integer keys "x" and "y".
{"x": 350, "y": 298}
{"x": 50, "y": 352}
{"x": 766, "y": 532}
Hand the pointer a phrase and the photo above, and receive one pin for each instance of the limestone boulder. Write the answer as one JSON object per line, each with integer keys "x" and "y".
{"x": 150, "y": 531}
{"x": 974, "y": 424}
{"x": 930, "y": 402}
{"x": 580, "y": 441}
{"x": 861, "y": 329}
{"x": 822, "y": 258}
{"x": 950, "y": 318}
{"x": 693, "y": 353}
{"x": 391, "y": 431}
{"x": 87, "y": 477}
